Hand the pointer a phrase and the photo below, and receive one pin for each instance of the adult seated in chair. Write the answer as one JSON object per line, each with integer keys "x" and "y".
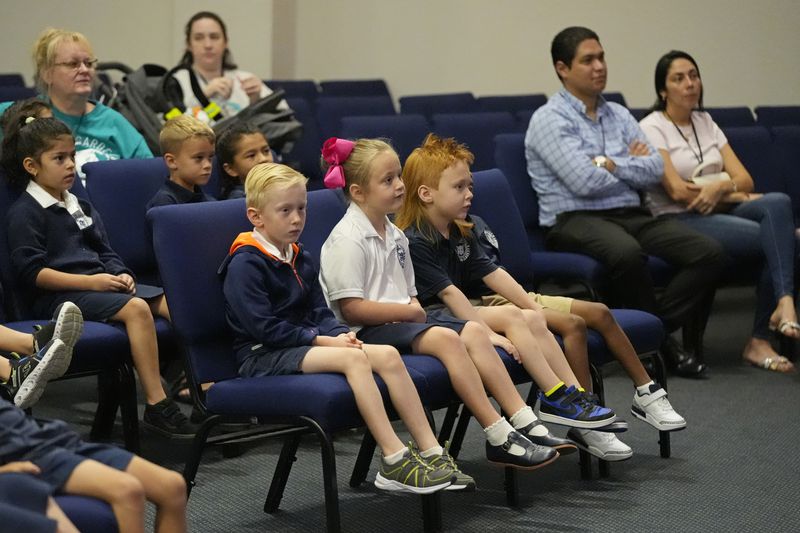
{"x": 65, "y": 71}
{"x": 706, "y": 187}
{"x": 588, "y": 160}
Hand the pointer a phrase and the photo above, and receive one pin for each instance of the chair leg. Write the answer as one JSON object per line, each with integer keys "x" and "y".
{"x": 281, "y": 475}
{"x": 107, "y": 403}
{"x": 511, "y": 486}
{"x": 128, "y": 408}
{"x": 460, "y": 432}
{"x": 448, "y": 422}
{"x": 604, "y": 469}
{"x": 332, "y": 515}
{"x": 532, "y": 395}
{"x": 432, "y": 512}
{"x": 664, "y": 444}
{"x": 585, "y": 462}
{"x": 198, "y": 445}
{"x": 363, "y": 460}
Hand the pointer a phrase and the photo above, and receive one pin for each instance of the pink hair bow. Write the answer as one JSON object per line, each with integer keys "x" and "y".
{"x": 335, "y": 152}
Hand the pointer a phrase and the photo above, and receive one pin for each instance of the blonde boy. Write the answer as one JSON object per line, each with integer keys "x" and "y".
{"x": 188, "y": 148}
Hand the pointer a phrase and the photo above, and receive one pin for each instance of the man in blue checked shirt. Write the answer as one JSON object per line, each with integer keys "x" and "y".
{"x": 589, "y": 161}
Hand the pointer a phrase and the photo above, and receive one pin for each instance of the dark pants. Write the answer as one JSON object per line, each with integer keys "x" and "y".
{"x": 621, "y": 239}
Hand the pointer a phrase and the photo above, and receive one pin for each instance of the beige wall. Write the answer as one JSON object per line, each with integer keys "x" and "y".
{"x": 747, "y": 50}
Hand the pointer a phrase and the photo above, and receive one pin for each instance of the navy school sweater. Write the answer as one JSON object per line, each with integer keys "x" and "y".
{"x": 49, "y": 238}
{"x": 270, "y": 302}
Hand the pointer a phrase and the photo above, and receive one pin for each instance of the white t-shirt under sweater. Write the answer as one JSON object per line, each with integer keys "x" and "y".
{"x": 683, "y": 152}
{"x": 357, "y": 263}
{"x": 237, "y": 101}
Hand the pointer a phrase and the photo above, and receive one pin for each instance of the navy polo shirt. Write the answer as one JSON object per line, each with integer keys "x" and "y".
{"x": 171, "y": 193}
{"x": 440, "y": 262}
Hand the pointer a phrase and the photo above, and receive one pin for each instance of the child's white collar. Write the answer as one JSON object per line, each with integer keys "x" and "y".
{"x": 69, "y": 202}
{"x": 285, "y": 256}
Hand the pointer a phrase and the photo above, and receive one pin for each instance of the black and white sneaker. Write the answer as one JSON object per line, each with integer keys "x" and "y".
{"x": 66, "y": 325}
{"x": 30, "y": 374}
{"x": 655, "y": 409}
{"x": 601, "y": 444}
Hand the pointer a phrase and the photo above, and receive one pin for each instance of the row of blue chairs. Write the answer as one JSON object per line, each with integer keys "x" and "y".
{"x": 199, "y": 235}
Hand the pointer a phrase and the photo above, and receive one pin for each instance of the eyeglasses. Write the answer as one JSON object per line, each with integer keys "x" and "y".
{"x": 75, "y": 64}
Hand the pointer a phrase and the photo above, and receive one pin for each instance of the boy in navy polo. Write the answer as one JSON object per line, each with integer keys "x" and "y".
{"x": 188, "y": 148}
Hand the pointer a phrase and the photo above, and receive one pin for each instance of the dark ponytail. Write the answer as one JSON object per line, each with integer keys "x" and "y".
{"x": 27, "y": 136}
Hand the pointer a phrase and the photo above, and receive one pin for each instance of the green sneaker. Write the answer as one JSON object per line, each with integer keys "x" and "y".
{"x": 412, "y": 474}
{"x": 461, "y": 481}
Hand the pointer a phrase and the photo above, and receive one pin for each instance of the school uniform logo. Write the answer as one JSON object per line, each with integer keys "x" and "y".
{"x": 489, "y": 236}
{"x": 462, "y": 250}
{"x": 401, "y": 255}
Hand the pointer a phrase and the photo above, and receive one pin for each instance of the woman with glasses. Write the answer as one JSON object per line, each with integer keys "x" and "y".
{"x": 65, "y": 70}
{"x": 706, "y": 187}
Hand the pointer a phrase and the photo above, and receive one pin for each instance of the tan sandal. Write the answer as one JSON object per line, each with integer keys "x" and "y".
{"x": 775, "y": 364}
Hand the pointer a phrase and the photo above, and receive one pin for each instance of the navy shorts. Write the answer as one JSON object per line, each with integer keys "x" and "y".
{"x": 94, "y": 305}
{"x": 273, "y": 362}
{"x": 59, "y": 463}
{"x": 402, "y": 334}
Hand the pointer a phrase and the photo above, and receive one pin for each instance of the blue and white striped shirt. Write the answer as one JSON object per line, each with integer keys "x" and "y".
{"x": 562, "y": 141}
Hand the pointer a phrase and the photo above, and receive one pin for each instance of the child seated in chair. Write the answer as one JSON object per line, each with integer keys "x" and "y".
{"x": 282, "y": 325}
{"x": 188, "y": 148}
{"x": 240, "y": 148}
{"x": 64, "y": 464}
{"x": 452, "y": 266}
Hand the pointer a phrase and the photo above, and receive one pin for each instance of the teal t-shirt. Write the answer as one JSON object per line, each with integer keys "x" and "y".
{"x": 101, "y": 135}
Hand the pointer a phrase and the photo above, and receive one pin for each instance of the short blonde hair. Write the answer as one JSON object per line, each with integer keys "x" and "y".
{"x": 45, "y": 47}
{"x": 266, "y": 177}
{"x": 180, "y": 129}
{"x": 359, "y": 163}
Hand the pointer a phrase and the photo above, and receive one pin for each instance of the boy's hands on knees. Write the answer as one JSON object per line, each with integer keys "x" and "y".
{"x": 502, "y": 342}
{"x": 107, "y": 283}
{"x": 22, "y": 467}
{"x": 351, "y": 340}
{"x": 128, "y": 279}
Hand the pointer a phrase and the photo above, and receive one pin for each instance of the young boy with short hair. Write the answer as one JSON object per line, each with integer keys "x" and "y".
{"x": 188, "y": 148}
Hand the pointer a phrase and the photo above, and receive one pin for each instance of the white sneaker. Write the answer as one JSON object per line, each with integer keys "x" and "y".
{"x": 655, "y": 409}
{"x": 601, "y": 444}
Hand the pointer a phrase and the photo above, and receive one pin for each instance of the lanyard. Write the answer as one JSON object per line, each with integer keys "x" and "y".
{"x": 697, "y": 156}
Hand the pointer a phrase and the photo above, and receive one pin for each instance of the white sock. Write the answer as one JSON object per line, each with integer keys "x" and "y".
{"x": 645, "y": 389}
{"x": 525, "y": 416}
{"x": 395, "y": 457}
{"x": 497, "y": 434}
{"x": 430, "y": 452}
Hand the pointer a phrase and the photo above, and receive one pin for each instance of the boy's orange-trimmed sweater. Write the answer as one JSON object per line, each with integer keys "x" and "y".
{"x": 271, "y": 302}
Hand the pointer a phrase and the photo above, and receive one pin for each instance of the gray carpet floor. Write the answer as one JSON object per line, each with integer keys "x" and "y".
{"x": 736, "y": 467}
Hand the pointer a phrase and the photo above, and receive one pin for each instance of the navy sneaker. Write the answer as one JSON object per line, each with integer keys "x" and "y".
{"x": 570, "y": 407}
{"x": 533, "y": 456}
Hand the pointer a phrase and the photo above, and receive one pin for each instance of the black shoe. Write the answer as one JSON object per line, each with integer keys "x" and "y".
{"x": 682, "y": 362}
{"x": 166, "y": 418}
{"x": 563, "y": 446}
{"x": 535, "y": 456}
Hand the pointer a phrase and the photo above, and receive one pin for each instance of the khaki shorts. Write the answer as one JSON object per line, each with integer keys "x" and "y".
{"x": 556, "y": 303}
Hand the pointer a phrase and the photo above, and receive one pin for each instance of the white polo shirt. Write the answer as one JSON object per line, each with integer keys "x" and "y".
{"x": 357, "y": 263}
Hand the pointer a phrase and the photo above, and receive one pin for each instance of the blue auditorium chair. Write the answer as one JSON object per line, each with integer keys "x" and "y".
{"x": 306, "y": 89}
{"x": 429, "y": 104}
{"x": 726, "y": 117}
{"x": 512, "y": 103}
{"x": 331, "y": 109}
{"x": 374, "y": 87}
{"x": 304, "y": 155}
{"x": 779, "y": 115}
{"x": 476, "y": 130}
{"x": 406, "y": 132}
{"x": 753, "y": 147}
{"x": 786, "y": 150}
{"x": 89, "y": 515}
{"x": 12, "y": 93}
{"x": 494, "y": 202}
{"x": 615, "y": 97}
{"x": 191, "y": 241}
{"x": 102, "y": 350}
{"x": 12, "y": 79}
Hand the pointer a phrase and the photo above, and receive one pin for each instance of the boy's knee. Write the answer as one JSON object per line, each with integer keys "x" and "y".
{"x": 138, "y": 310}
{"x": 175, "y": 489}
{"x": 389, "y": 358}
{"x": 128, "y": 490}
{"x": 356, "y": 360}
